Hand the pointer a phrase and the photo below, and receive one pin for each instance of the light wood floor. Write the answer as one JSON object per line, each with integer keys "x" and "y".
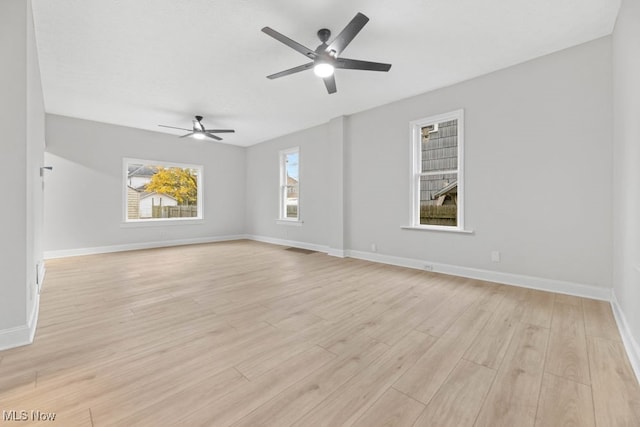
{"x": 250, "y": 334}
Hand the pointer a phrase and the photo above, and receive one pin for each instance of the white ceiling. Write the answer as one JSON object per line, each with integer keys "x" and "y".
{"x": 147, "y": 62}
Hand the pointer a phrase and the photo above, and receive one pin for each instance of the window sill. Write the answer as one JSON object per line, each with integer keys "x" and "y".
{"x": 290, "y": 222}
{"x": 432, "y": 228}
{"x": 160, "y": 222}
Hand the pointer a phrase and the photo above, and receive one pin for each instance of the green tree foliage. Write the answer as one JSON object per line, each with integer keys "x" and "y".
{"x": 181, "y": 184}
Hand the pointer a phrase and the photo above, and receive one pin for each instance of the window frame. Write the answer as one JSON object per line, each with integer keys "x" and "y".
{"x": 416, "y": 171}
{"x": 126, "y": 161}
{"x": 282, "y": 199}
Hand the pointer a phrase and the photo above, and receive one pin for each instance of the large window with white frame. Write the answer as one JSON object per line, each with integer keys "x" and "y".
{"x": 290, "y": 184}
{"x": 437, "y": 182}
{"x": 160, "y": 191}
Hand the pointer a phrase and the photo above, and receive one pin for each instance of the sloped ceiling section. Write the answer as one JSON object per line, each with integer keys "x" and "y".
{"x": 148, "y": 62}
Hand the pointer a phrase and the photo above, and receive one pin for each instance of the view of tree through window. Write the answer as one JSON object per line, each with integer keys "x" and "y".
{"x": 156, "y": 191}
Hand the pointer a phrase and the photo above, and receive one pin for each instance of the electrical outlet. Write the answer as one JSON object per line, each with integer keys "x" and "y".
{"x": 495, "y": 256}
{"x": 374, "y": 247}
{"x": 428, "y": 267}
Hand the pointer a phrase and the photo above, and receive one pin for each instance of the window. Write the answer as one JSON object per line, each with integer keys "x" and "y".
{"x": 156, "y": 191}
{"x": 290, "y": 184}
{"x": 437, "y": 179}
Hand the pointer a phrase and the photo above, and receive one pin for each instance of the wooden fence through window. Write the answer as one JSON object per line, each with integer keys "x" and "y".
{"x": 174, "y": 211}
{"x": 439, "y": 215}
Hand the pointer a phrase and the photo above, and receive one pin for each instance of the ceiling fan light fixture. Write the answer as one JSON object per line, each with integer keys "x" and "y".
{"x": 323, "y": 69}
{"x": 199, "y": 135}
{"x": 326, "y": 57}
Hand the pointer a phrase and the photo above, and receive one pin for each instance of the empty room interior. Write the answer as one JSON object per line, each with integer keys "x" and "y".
{"x": 279, "y": 213}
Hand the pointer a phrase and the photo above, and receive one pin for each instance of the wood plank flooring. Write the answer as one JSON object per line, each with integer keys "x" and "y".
{"x": 251, "y": 334}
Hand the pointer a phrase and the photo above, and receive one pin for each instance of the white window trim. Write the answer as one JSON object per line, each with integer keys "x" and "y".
{"x": 126, "y": 222}
{"x": 445, "y": 228}
{"x": 282, "y": 212}
{"x": 415, "y": 128}
{"x": 290, "y": 222}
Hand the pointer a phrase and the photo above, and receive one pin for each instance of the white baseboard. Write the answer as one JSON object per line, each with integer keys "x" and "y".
{"x": 539, "y": 283}
{"x": 630, "y": 344}
{"x": 551, "y": 285}
{"x": 340, "y": 253}
{"x": 283, "y": 242}
{"x": 531, "y": 282}
{"x": 64, "y": 253}
{"x": 21, "y": 335}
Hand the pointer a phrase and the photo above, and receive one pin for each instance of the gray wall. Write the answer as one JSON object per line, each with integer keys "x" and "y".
{"x": 21, "y": 148}
{"x": 538, "y": 172}
{"x": 83, "y": 195}
{"x": 626, "y": 181}
{"x": 13, "y": 107}
{"x": 35, "y": 159}
{"x": 263, "y": 185}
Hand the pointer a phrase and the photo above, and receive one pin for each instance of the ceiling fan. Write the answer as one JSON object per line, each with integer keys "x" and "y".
{"x": 199, "y": 131}
{"x": 326, "y": 56}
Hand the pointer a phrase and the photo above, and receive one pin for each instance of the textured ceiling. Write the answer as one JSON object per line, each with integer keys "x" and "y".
{"x": 148, "y": 62}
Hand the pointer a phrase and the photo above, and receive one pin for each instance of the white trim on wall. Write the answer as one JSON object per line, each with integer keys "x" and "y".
{"x": 64, "y": 253}
{"x": 531, "y": 282}
{"x": 290, "y": 222}
{"x": 282, "y": 198}
{"x": 630, "y": 344}
{"x": 143, "y": 222}
{"x": 416, "y": 170}
{"x": 339, "y": 253}
{"x": 293, "y": 243}
{"x": 21, "y": 335}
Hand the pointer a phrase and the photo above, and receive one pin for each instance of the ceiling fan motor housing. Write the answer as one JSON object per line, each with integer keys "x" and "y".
{"x": 324, "y": 34}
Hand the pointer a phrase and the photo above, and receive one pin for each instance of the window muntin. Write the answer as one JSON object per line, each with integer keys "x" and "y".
{"x": 161, "y": 191}
{"x": 437, "y": 176}
{"x": 290, "y": 184}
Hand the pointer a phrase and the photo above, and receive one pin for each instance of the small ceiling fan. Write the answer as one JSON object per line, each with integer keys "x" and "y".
{"x": 326, "y": 56}
{"x": 199, "y": 131}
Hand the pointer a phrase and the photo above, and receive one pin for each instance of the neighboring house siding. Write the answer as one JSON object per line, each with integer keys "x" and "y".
{"x": 439, "y": 152}
{"x": 133, "y": 201}
{"x": 292, "y": 190}
{"x": 139, "y": 181}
